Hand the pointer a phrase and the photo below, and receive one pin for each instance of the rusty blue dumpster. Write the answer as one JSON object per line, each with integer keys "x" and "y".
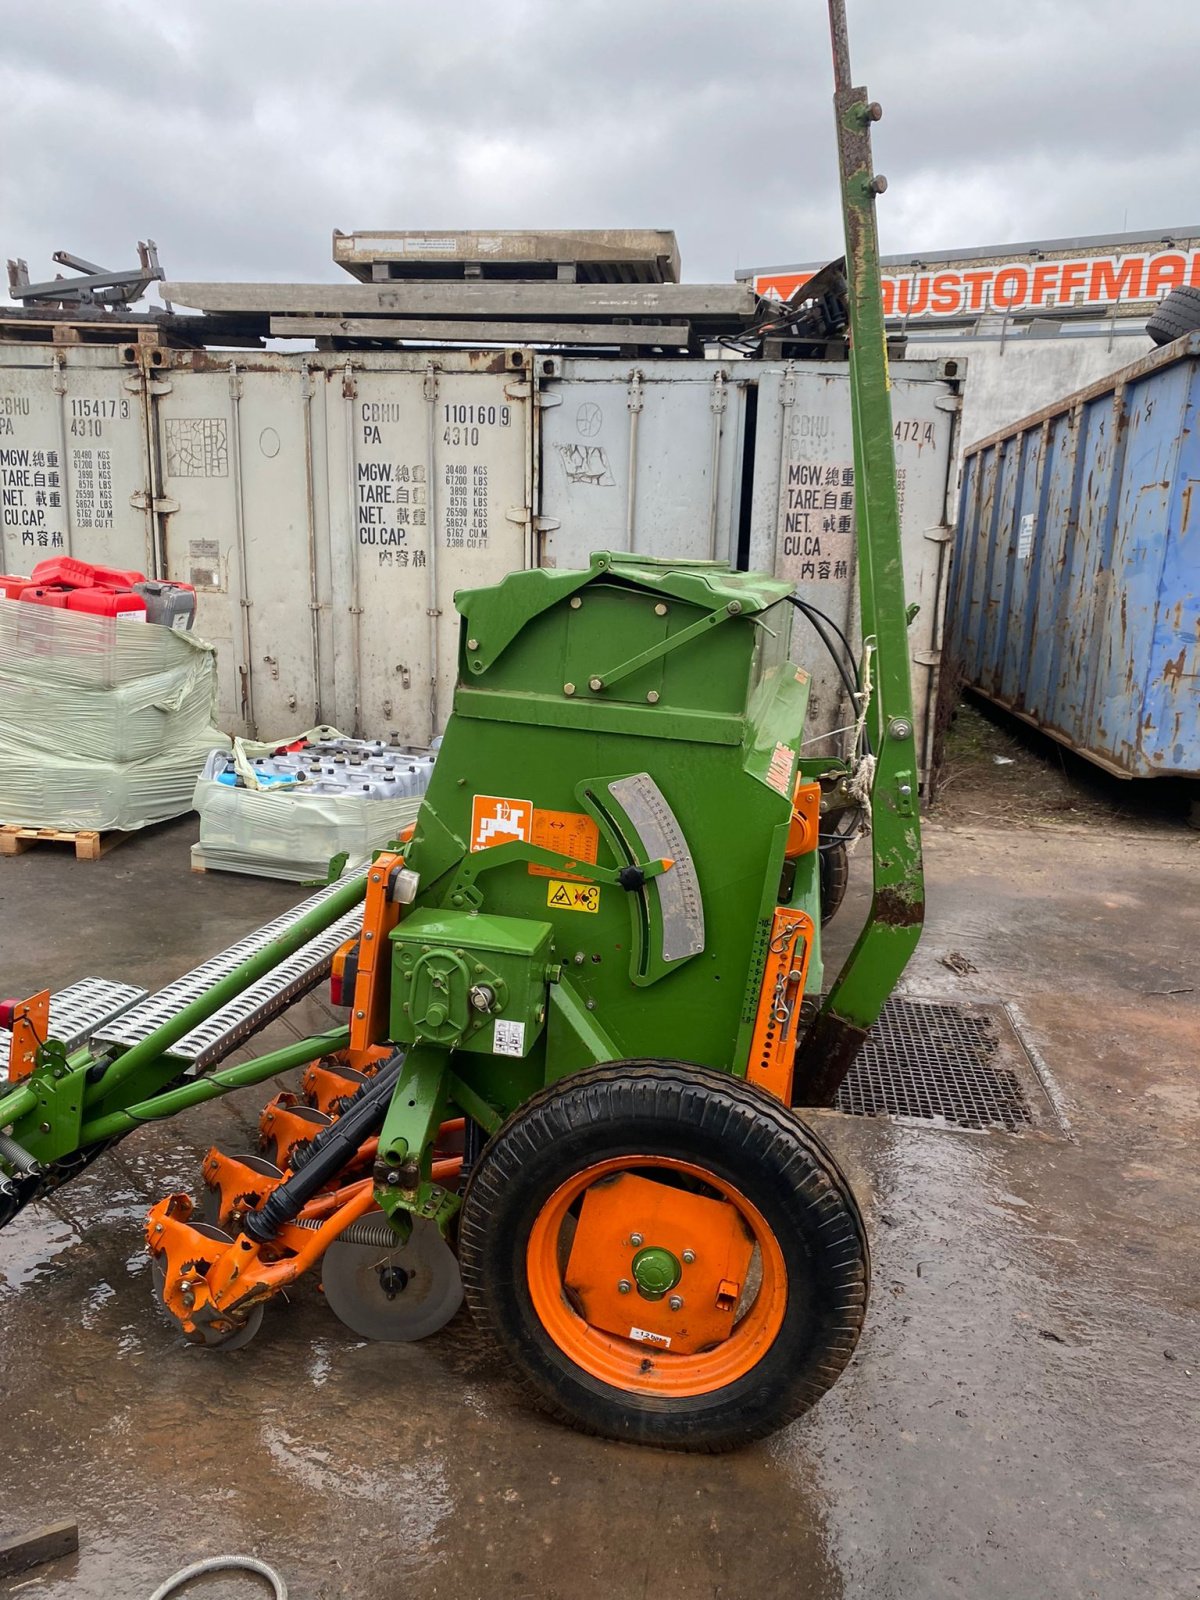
{"x": 1075, "y": 599}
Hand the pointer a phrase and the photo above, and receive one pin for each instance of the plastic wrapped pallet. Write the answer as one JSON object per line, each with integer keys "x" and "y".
{"x": 287, "y": 833}
{"x": 104, "y": 723}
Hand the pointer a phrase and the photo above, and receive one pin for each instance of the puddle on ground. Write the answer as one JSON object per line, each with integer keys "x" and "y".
{"x": 1000, "y": 1363}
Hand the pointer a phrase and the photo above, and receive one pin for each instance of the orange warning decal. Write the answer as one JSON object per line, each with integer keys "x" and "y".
{"x": 570, "y": 833}
{"x": 496, "y": 819}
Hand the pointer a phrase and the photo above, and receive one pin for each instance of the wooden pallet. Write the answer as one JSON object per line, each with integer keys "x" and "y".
{"x": 89, "y": 844}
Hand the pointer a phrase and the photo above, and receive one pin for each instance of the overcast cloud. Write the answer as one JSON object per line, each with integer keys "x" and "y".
{"x": 240, "y": 133}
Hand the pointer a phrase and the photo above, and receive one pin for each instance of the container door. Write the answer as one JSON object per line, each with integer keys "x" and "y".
{"x": 430, "y": 490}
{"x": 74, "y": 469}
{"x": 642, "y": 457}
{"x": 233, "y": 455}
{"x": 802, "y": 520}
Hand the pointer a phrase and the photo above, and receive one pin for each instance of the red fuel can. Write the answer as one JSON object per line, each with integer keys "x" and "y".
{"x": 41, "y": 595}
{"x": 75, "y": 574}
{"x": 107, "y": 603}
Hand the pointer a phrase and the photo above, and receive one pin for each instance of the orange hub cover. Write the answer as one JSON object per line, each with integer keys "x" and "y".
{"x": 623, "y": 1225}
{"x": 655, "y": 1277}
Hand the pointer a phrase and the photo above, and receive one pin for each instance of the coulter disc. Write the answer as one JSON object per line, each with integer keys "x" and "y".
{"x": 396, "y": 1295}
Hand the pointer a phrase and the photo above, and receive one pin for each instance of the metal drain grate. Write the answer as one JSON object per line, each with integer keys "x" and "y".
{"x": 957, "y": 1065}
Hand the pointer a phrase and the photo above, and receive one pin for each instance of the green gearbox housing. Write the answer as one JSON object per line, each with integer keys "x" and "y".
{"x": 470, "y": 981}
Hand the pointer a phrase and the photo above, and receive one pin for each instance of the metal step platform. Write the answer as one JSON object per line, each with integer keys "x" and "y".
{"x": 272, "y": 994}
{"x": 262, "y": 1001}
{"x": 79, "y": 1009}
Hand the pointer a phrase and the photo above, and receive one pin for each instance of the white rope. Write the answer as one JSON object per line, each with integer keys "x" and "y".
{"x": 864, "y": 694}
{"x": 860, "y": 784}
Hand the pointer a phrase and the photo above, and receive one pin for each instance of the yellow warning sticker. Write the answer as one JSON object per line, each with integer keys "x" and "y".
{"x": 564, "y": 896}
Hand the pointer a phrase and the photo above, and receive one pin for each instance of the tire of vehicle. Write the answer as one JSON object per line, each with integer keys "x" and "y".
{"x": 705, "y": 1132}
{"x": 1178, "y": 314}
{"x": 834, "y": 866}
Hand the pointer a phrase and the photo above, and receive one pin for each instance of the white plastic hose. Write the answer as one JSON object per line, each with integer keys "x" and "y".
{"x": 199, "y": 1569}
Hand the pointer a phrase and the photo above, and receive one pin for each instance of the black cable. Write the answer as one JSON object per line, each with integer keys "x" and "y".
{"x": 816, "y": 620}
{"x": 832, "y": 840}
{"x": 808, "y": 606}
{"x": 850, "y": 682}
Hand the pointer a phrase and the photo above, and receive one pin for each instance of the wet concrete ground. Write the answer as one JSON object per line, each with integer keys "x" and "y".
{"x": 1022, "y": 1418}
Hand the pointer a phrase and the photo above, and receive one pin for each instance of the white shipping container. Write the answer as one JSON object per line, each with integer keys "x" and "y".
{"x": 327, "y": 506}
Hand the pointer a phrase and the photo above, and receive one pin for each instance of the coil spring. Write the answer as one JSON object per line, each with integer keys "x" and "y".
{"x": 372, "y": 1231}
{"x": 17, "y": 1156}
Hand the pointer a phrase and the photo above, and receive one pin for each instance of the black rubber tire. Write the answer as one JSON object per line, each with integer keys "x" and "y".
{"x": 834, "y": 866}
{"x": 740, "y": 1134}
{"x": 1178, "y": 314}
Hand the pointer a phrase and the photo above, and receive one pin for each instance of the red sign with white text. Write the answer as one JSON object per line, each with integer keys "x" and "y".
{"x": 1021, "y": 285}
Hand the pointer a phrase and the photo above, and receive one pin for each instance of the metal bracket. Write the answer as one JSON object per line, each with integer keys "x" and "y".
{"x": 53, "y": 1128}
{"x": 463, "y": 891}
{"x": 604, "y": 680}
{"x": 98, "y": 286}
{"x": 404, "y": 1161}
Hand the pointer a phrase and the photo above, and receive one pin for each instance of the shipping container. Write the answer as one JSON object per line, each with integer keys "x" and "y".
{"x": 326, "y": 506}
{"x": 1076, "y": 599}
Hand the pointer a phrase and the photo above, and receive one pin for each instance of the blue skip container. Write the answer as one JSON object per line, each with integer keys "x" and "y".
{"x": 1075, "y": 599}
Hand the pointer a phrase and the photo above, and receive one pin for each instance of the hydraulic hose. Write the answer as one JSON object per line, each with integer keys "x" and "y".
{"x": 328, "y": 1153}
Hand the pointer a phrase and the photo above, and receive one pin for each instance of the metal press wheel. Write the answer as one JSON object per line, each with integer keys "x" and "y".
{"x": 666, "y": 1254}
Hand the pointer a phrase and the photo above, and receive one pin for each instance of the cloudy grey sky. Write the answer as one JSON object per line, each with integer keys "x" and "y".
{"x": 239, "y": 133}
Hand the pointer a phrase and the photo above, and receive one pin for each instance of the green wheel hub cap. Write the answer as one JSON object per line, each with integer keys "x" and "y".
{"x": 655, "y": 1270}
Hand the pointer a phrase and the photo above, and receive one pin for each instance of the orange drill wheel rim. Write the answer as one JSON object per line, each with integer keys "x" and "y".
{"x": 631, "y": 1365}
